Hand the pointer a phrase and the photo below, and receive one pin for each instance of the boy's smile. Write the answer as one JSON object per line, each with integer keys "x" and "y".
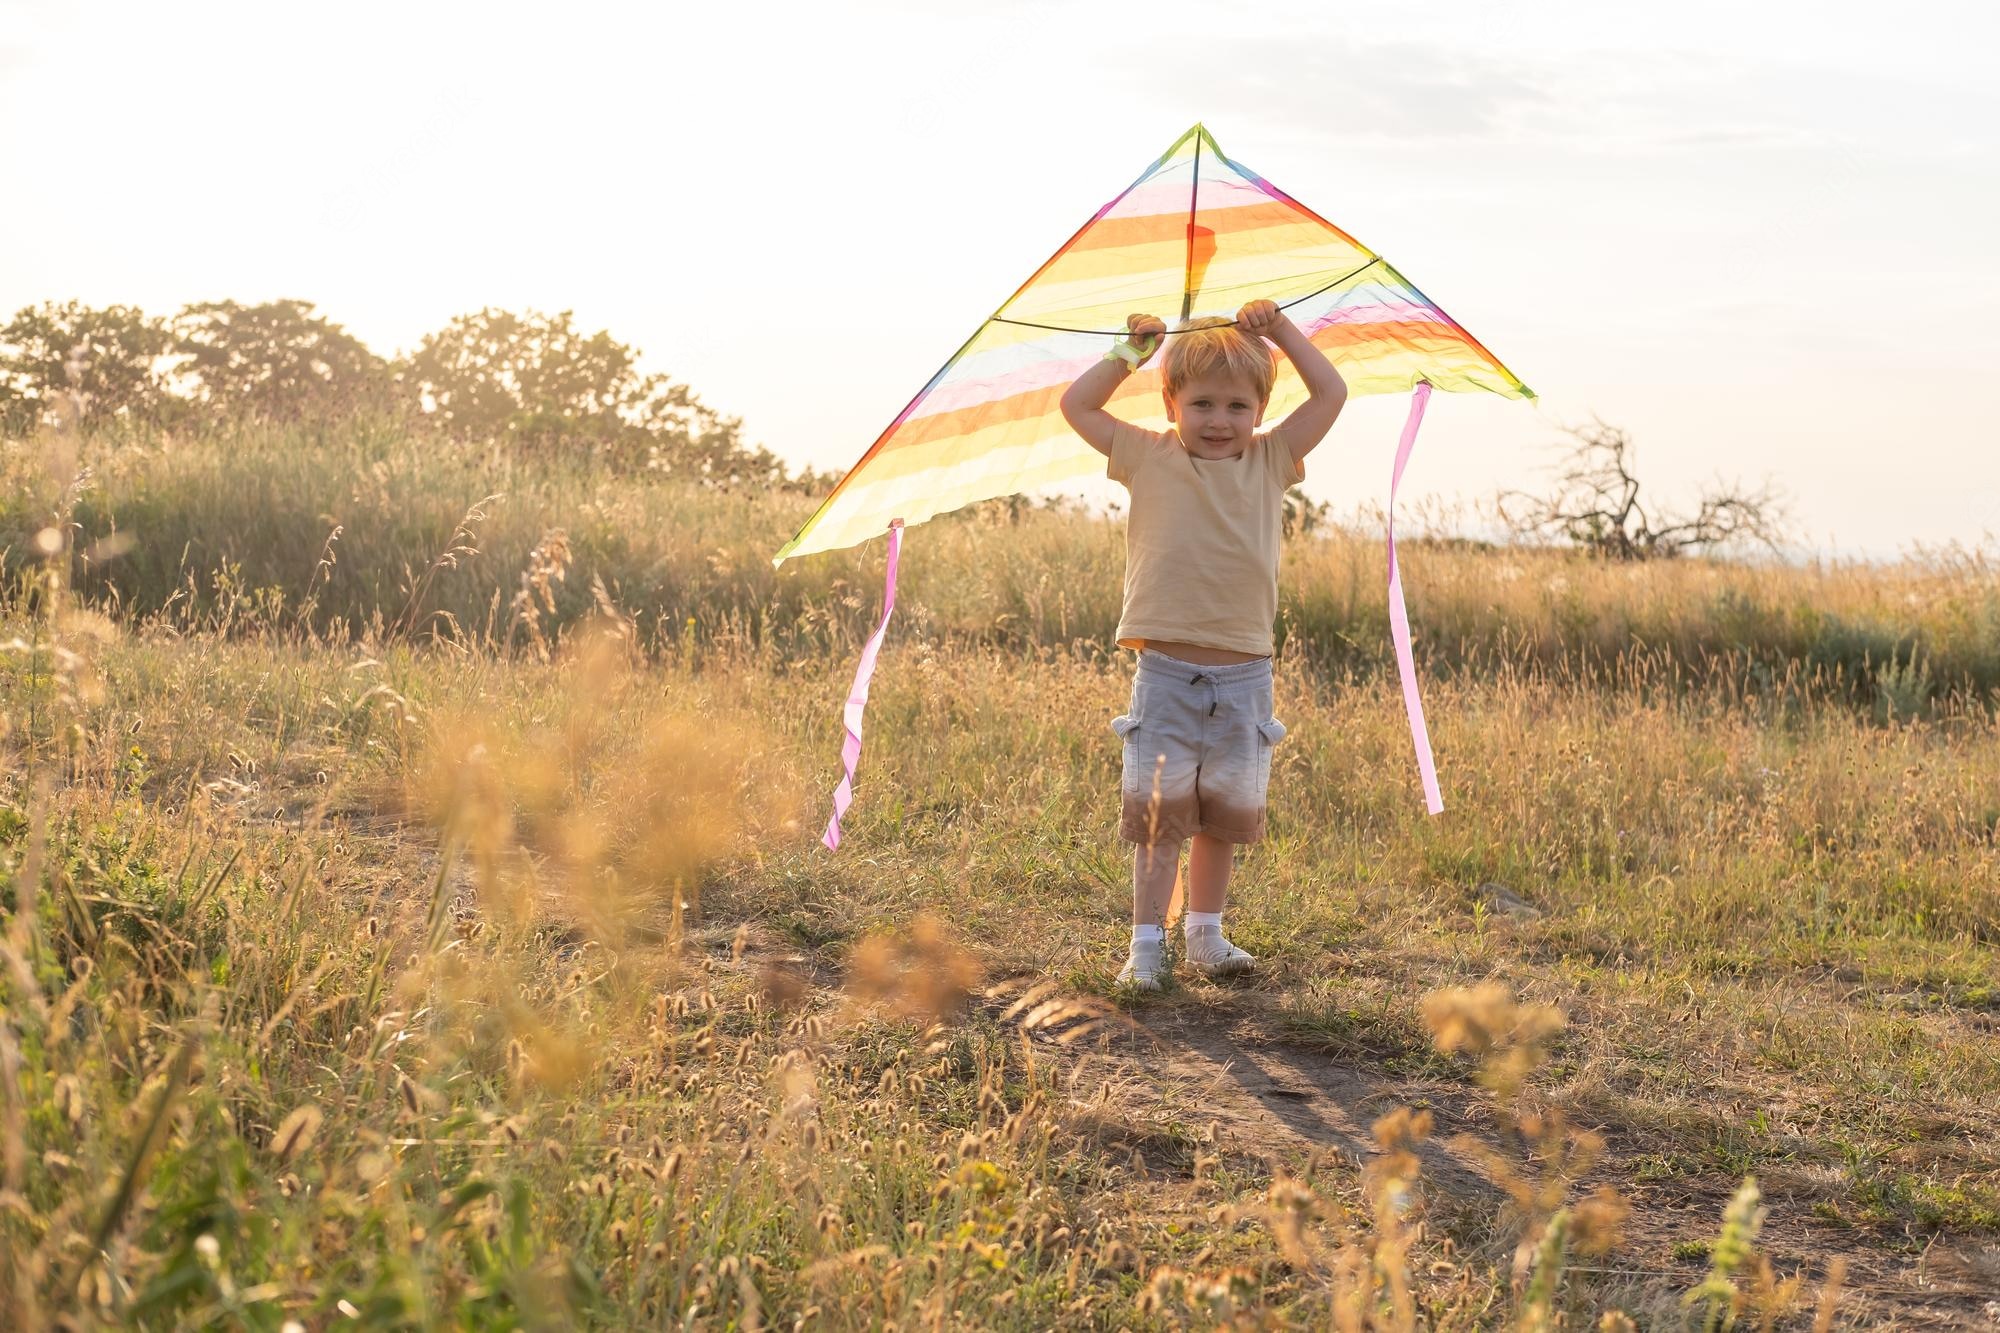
{"x": 1215, "y": 415}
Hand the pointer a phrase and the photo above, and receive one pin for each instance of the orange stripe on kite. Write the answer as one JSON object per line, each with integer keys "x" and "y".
{"x": 1111, "y": 233}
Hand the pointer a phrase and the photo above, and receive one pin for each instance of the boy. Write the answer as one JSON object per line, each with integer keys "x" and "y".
{"x": 1201, "y": 596}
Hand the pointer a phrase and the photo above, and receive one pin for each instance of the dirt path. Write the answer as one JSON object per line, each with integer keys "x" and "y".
{"x": 1282, "y": 1102}
{"x": 1207, "y": 1055}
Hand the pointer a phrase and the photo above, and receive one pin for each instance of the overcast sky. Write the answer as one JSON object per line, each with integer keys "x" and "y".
{"x": 1759, "y": 236}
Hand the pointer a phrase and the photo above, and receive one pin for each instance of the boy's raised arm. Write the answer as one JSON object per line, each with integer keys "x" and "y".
{"x": 1326, "y": 390}
{"x": 1083, "y": 402}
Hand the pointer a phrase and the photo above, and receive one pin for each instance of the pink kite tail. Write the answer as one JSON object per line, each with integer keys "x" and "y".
{"x": 1399, "y": 618}
{"x": 857, "y": 698}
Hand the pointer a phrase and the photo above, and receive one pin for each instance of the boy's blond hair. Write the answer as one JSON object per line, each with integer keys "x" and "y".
{"x": 1212, "y": 344}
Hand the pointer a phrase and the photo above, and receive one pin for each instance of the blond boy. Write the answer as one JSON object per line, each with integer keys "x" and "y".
{"x": 1201, "y": 598}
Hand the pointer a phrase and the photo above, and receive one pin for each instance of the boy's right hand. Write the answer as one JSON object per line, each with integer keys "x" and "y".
{"x": 1083, "y": 402}
{"x": 1146, "y": 331}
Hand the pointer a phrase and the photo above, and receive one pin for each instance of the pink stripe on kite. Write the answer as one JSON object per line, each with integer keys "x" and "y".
{"x": 1171, "y": 197}
{"x": 1157, "y": 196}
{"x": 971, "y": 393}
{"x": 1375, "y": 312}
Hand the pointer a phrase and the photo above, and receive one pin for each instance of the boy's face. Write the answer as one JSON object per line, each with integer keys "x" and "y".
{"x": 1216, "y": 415}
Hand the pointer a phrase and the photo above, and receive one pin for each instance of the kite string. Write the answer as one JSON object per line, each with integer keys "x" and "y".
{"x": 857, "y": 697}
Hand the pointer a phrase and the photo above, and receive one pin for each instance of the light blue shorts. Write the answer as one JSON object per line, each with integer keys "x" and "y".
{"x": 1197, "y": 750}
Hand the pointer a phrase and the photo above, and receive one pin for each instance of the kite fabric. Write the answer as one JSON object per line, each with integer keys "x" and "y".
{"x": 1196, "y": 234}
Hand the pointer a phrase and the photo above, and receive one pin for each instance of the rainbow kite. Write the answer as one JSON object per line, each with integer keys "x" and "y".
{"x": 1196, "y": 234}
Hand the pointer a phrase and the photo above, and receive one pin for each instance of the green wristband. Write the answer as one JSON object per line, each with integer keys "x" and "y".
{"x": 1130, "y": 353}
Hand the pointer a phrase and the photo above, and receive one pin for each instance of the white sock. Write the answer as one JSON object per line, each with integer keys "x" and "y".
{"x": 1193, "y": 919}
{"x": 1149, "y": 935}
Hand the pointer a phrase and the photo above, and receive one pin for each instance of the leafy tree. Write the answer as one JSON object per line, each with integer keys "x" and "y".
{"x": 278, "y": 360}
{"x": 121, "y": 350}
{"x": 537, "y": 380}
{"x": 17, "y": 410}
{"x": 684, "y": 436}
{"x": 527, "y": 377}
{"x": 1301, "y": 513}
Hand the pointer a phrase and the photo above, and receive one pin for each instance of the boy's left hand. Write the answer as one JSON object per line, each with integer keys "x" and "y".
{"x": 1260, "y": 318}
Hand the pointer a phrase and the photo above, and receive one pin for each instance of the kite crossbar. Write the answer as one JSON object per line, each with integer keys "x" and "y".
{"x": 1119, "y": 333}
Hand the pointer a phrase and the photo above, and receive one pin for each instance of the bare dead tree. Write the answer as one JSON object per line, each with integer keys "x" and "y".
{"x": 1595, "y": 505}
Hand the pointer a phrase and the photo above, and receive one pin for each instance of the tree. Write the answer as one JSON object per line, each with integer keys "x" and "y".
{"x": 533, "y": 377}
{"x": 1301, "y": 513}
{"x": 684, "y": 436}
{"x": 17, "y": 410}
{"x": 121, "y": 353}
{"x": 278, "y": 361}
{"x": 536, "y": 380}
{"x": 1595, "y": 505}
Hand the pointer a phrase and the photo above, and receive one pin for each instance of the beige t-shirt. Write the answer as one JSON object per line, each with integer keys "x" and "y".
{"x": 1201, "y": 544}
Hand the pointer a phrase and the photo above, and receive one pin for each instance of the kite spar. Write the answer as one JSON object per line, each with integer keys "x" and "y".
{"x": 1197, "y": 233}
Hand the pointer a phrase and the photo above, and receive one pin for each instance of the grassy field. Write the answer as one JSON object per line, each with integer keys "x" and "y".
{"x": 414, "y": 914}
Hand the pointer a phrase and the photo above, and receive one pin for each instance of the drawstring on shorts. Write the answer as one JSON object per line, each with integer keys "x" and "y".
{"x": 1214, "y": 689}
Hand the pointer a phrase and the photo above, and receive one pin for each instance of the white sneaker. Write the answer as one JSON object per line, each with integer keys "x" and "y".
{"x": 1214, "y": 956}
{"x": 1144, "y": 967}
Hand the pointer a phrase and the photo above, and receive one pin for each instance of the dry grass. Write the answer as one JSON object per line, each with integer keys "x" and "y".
{"x": 238, "y": 525}
{"x": 356, "y": 972}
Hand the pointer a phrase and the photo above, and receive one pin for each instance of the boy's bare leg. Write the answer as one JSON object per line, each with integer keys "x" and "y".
{"x": 1153, "y": 870}
{"x": 1153, "y": 873}
{"x": 1208, "y": 880}
{"x": 1208, "y": 873}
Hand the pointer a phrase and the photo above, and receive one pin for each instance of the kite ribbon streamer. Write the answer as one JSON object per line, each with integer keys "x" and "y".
{"x": 857, "y": 698}
{"x": 1399, "y": 618}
